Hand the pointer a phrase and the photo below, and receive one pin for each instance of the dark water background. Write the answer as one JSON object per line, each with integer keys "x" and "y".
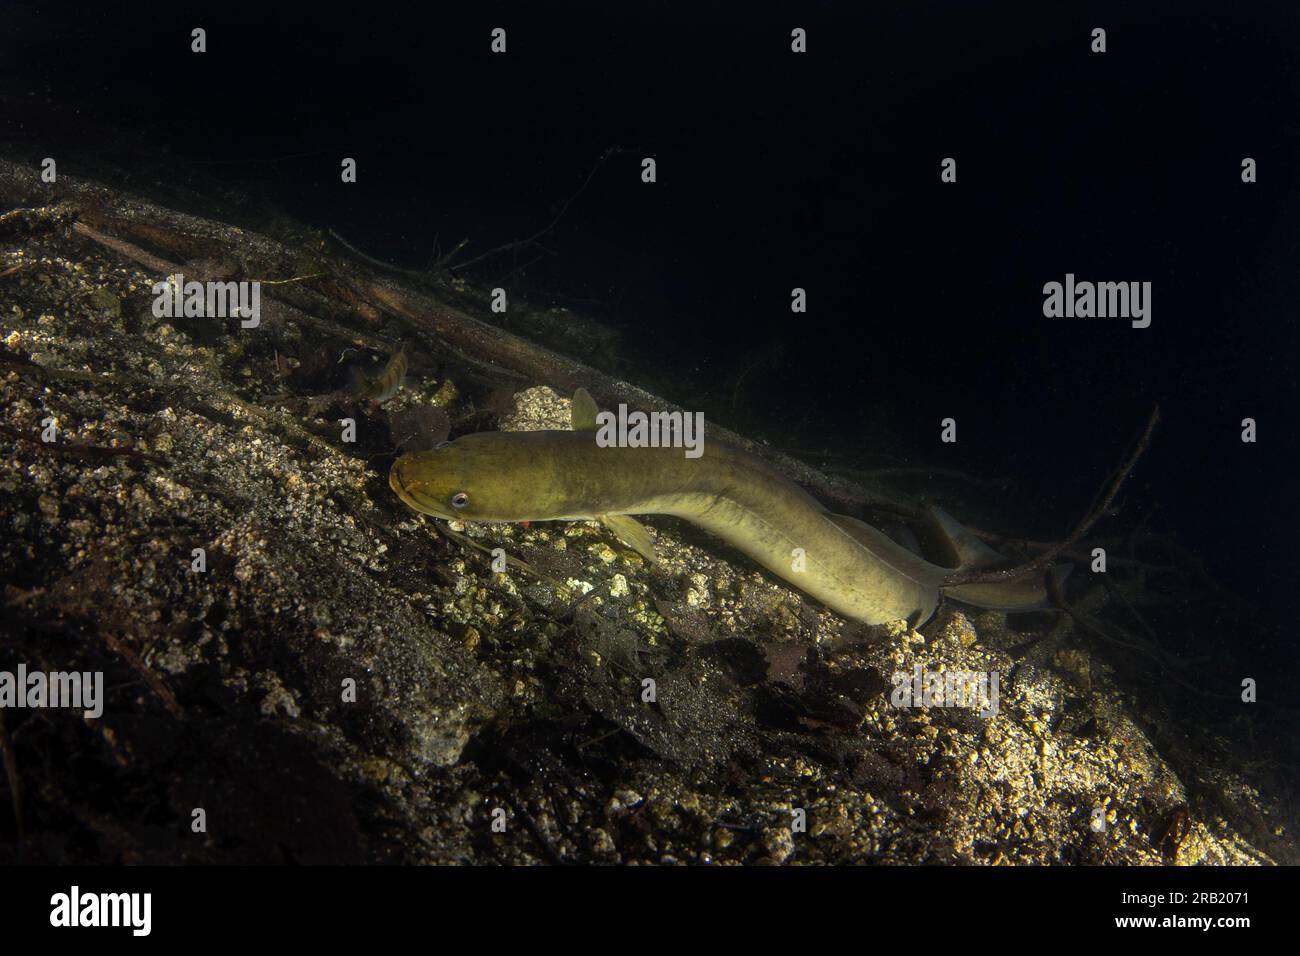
{"x": 776, "y": 171}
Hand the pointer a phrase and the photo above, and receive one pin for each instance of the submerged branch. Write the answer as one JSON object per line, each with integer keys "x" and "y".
{"x": 1041, "y": 563}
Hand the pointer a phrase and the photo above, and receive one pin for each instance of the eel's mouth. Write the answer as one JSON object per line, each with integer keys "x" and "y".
{"x": 410, "y": 493}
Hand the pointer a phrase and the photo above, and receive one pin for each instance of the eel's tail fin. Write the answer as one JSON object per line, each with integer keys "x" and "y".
{"x": 965, "y": 551}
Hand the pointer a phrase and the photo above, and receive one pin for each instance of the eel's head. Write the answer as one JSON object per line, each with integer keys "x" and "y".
{"x": 481, "y": 477}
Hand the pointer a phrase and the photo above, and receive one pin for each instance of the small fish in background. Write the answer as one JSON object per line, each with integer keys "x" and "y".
{"x": 380, "y": 388}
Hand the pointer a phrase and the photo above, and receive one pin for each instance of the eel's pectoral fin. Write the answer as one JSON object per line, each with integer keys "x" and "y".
{"x": 633, "y": 534}
{"x": 583, "y": 411}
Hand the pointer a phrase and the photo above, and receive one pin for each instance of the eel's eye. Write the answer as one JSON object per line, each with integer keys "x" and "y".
{"x": 459, "y": 499}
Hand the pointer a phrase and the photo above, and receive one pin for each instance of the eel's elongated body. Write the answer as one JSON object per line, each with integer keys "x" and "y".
{"x": 852, "y": 568}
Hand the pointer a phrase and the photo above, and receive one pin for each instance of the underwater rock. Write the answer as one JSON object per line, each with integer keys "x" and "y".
{"x": 283, "y": 640}
{"x": 536, "y": 409}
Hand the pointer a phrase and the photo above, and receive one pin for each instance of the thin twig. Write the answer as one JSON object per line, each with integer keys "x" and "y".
{"x": 520, "y": 243}
{"x": 441, "y": 262}
{"x": 155, "y": 683}
{"x": 10, "y": 761}
{"x": 314, "y": 275}
{"x": 377, "y": 263}
{"x": 1044, "y": 560}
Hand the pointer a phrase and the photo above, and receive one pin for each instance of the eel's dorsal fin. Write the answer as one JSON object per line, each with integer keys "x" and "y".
{"x": 884, "y": 548}
{"x": 583, "y": 411}
{"x": 633, "y": 534}
{"x": 962, "y": 549}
